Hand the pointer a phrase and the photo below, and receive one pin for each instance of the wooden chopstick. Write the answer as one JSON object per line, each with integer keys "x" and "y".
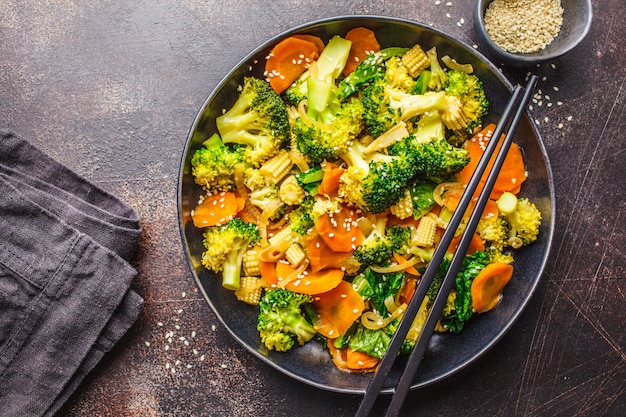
{"x": 386, "y": 363}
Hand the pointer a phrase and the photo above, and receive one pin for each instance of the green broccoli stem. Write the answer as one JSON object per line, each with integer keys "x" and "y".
{"x": 295, "y": 323}
{"x": 355, "y": 157}
{"x": 231, "y": 276}
{"x": 323, "y": 103}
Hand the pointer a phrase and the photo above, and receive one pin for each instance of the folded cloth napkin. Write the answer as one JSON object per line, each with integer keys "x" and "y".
{"x": 65, "y": 246}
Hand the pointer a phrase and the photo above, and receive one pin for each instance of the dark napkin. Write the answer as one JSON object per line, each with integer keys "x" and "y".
{"x": 65, "y": 299}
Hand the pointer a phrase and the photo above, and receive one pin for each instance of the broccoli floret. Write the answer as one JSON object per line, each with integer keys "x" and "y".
{"x": 494, "y": 231}
{"x": 498, "y": 256}
{"x": 523, "y": 217}
{"x": 325, "y": 69}
{"x": 397, "y": 76}
{"x": 422, "y": 196}
{"x": 437, "y": 76}
{"x": 376, "y": 248}
{"x": 376, "y": 181}
{"x": 329, "y": 135}
{"x": 258, "y": 121}
{"x": 281, "y": 322}
{"x": 373, "y": 66}
{"x": 301, "y": 219}
{"x": 297, "y": 91}
{"x": 330, "y": 125}
{"x": 386, "y": 106}
{"x": 399, "y": 238}
{"x": 213, "y": 165}
{"x": 225, "y": 246}
{"x": 469, "y": 89}
{"x": 433, "y": 157}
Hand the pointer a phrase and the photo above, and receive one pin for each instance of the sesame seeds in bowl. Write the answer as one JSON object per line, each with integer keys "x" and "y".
{"x": 526, "y": 32}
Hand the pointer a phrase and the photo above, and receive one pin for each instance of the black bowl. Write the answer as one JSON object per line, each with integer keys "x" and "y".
{"x": 577, "y": 17}
{"x": 447, "y": 353}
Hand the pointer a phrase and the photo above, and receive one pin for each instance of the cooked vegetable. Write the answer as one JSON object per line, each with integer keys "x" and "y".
{"x": 424, "y": 234}
{"x": 337, "y": 310}
{"x": 415, "y": 60}
{"x": 523, "y": 217}
{"x": 288, "y": 60}
{"x": 216, "y": 209}
{"x": 257, "y": 120}
{"x": 327, "y": 194}
{"x": 512, "y": 174}
{"x": 250, "y": 290}
{"x": 290, "y": 192}
{"x": 376, "y": 181}
{"x": 213, "y": 165}
{"x": 225, "y": 247}
{"x": 364, "y": 43}
{"x": 277, "y": 167}
{"x": 487, "y": 286}
{"x": 281, "y": 323}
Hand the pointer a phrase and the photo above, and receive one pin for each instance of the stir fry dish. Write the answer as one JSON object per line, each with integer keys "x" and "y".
{"x": 329, "y": 182}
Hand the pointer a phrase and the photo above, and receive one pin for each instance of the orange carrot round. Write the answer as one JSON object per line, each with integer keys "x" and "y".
{"x": 476, "y": 244}
{"x": 359, "y": 360}
{"x": 339, "y": 230}
{"x": 364, "y": 42}
{"x": 268, "y": 272}
{"x": 321, "y": 256}
{"x": 312, "y": 38}
{"x": 488, "y": 285}
{"x": 315, "y": 282}
{"x": 337, "y": 309}
{"x": 513, "y": 172}
{"x": 216, "y": 209}
{"x": 330, "y": 180}
{"x": 288, "y": 60}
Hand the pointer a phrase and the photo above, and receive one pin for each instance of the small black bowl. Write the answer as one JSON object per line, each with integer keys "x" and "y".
{"x": 577, "y": 16}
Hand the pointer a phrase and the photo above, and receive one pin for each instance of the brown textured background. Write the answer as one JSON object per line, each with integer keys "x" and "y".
{"x": 110, "y": 88}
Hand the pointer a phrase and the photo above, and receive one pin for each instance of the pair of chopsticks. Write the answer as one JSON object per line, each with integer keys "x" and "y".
{"x": 515, "y": 108}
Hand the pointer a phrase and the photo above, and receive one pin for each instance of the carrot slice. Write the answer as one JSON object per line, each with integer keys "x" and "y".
{"x": 491, "y": 210}
{"x": 359, "y": 360}
{"x": 268, "y": 272}
{"x": 513, "y": 172}
{"x": 216, "y": 209}
{"x": 288, "y": 60}
{"x": 337, "y": 309}
{"x": 310, "y": 282}
{"x": 321, "y": 256}
{"x": 476, "y": 244}
{"x": 330, "y": 180}
{"x": 364, "y": 42}
{"x": 401, "y": 260}
{"x": 339, "y": 231}
{"x": 312, "y": 38}
{"x": 488, "y": 285}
